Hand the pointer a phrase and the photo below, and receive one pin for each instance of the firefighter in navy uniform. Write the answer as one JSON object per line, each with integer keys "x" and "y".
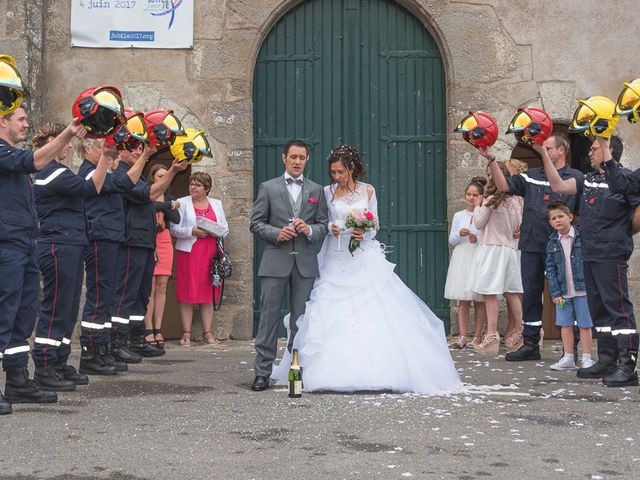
{"x": 19, "y": 282}
{"x": 607, "y": 244}
{"x": 136, "y": 260}
{"x": 105, "y": 229}
{"x": 535, "y": 230}
{"x": 59, "y": 196}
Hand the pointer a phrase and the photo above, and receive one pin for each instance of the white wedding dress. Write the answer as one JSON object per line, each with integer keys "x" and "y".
{"x": 363, "y": 328}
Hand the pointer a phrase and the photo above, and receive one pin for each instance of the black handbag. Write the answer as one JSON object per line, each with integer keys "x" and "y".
{"x": 221, "y": 268}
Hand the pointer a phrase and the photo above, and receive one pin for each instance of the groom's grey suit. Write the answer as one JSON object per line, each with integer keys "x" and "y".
{"x": 272, "y": 210}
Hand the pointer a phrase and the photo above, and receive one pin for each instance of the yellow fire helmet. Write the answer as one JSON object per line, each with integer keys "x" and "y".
{"x": 594, "y": 116}
{"x": 12, "y": 87}
{"x": 191, "y": 147}
{"x": 629, "y": 101}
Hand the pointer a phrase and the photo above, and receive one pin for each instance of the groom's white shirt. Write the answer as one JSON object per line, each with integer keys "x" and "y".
{"x": 295, "y": 190}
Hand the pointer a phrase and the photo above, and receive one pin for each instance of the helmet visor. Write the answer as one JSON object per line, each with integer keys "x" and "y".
{"x": 137, "y": 128}
{"x": 582, "y": 118}
{"x": 519, "y": 122}
{"x": 467, "y": 124}
{"x": 626, "y": 101}
{"x": 10, "y": 99}
{"x": 173, "y": 124}
{"x": 109, "y": 99}
{"x": 202, "y": 145}
{"x": 10, "y": 77}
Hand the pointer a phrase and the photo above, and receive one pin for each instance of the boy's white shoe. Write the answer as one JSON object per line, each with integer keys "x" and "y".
{"x": 586, "y": 361}
{"x": 567, "y": 362}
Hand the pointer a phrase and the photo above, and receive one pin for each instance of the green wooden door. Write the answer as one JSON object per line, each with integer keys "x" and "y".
{"x": 367, "y": 73}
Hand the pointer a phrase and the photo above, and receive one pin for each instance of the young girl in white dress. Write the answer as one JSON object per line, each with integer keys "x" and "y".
{"x": 363, "y": 329}
{"x": 464, "y": 240}
{"x": 497, "y": 260}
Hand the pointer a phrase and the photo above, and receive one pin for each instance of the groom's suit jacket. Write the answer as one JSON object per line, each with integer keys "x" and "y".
{"x": 272, "y": 211}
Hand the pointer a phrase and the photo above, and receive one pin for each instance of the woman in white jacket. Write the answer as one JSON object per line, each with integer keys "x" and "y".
{"x": 195, "y": 249}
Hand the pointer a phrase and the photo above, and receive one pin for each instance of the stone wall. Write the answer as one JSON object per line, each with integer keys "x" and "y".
{"x": 498, "y": 55}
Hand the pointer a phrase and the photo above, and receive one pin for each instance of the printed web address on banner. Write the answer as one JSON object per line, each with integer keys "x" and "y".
{"x": 124, "y": 36}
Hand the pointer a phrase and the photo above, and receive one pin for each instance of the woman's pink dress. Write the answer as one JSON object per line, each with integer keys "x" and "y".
{"x": 193, "y": 269}
{"x": 164, "y": 251}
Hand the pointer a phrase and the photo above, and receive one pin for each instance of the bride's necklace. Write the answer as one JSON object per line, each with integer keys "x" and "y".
{"x": 342, "y": 192}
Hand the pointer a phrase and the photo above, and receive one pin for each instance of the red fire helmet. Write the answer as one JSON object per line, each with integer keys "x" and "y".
{"x": 130, "y": 135}
{"x": 100, "y": 110}
{"x": 531, "y": 124}
{"x": 162, "y": 127}
{"x": 479, "y": 129}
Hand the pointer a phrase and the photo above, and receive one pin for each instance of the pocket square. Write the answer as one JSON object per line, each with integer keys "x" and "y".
{"x": 312, "y": 200}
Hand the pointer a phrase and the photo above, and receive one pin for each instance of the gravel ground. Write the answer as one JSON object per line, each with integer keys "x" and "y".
{"x": 190, "y": 415}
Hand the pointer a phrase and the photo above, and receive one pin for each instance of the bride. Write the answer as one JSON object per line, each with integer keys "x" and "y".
{"x": 363, "y": 329}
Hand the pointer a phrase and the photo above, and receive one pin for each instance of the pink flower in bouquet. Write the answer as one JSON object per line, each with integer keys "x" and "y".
{"x": 360, "y": 218}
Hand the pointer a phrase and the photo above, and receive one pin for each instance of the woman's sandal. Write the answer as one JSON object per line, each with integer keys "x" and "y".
{"x": 149, "y": 333}
{"x": 159, "y": 341}
{"x": 185, "y": 341}
{"x": 460, "y": 343}
{"x": 490, "y": 344}
{"x": 209, "y": 339}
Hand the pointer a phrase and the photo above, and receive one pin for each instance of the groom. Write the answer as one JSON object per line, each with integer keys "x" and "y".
{"x": 289, "y": 214}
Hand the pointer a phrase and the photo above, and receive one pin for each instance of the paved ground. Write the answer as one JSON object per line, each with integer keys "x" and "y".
{"x": 191, "y": 415}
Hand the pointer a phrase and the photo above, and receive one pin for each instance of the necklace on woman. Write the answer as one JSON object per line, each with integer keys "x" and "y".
{"x": 206, "y": 211}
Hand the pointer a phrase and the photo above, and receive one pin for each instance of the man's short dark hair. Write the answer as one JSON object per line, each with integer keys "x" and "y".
{"x": 561, "y": 141}
{"x": 558, "y": 205}
{"x": 294, "y": 143}
{"x": 616, "y": 146}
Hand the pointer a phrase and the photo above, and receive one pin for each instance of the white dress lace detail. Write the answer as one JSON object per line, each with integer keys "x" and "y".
{"x": 363, "y": 328}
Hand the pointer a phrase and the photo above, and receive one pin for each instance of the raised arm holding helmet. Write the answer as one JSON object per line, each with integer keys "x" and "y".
{"x": 494, "y": 169}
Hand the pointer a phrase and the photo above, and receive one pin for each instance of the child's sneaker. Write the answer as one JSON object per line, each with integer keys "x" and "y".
{"x": 586, "y": 361}
{"x": 567, "y": 362}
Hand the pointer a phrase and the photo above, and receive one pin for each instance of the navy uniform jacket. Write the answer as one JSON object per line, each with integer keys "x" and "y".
{"x": 139, "y": 213}
{"x": 536, "y": 190}
{"x": 59, "y": 195}
{"x": 18, "y": 218}
{"x": 105, "y": 213}
{"x": 605, "y": 219}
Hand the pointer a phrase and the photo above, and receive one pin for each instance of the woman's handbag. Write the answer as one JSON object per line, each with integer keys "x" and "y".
{"x": 221, "y": 268}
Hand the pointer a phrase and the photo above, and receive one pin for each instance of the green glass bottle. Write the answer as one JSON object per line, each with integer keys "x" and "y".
{"x": 295, "y": 377}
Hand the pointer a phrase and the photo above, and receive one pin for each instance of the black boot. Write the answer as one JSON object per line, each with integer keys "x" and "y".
{"x": 104, "y": 351}
{"x": 49, "y": 379}
{"x": 69, "y": 373}
{"x": 607, "y": 359}
{"x": 5, "y": 406}
{"x": 93, "y": 364}
{"x": 20, "y": 389}
{"x": 528, "y": 351}
{"x": 140, "y": 345}
{"x": 625, "y": 375}
{"x": 121, "y": 352}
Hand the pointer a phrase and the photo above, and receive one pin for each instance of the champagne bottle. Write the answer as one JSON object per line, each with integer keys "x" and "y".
{"x": 295, "y": 377}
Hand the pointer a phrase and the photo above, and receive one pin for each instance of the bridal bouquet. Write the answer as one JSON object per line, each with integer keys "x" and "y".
{"x": 360, "y": 218}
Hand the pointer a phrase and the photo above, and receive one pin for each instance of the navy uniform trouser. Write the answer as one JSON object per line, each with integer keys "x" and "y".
{"x": 101, "y": 267}
{"x": 609, "y": 304}
{"x": 532, "y": 266}
{"x": 135, "y": 268}
{"x": 61, "y": 267}
{"x": 19, "y": 292}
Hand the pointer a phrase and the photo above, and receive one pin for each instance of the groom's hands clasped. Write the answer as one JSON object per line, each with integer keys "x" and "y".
{"x": 297, "y": 226}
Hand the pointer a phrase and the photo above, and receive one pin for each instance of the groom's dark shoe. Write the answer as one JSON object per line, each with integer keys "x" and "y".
{"x": 260, "y": 384}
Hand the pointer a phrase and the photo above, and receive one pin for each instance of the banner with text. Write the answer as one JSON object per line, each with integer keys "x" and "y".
{"x": 132, "y": 23}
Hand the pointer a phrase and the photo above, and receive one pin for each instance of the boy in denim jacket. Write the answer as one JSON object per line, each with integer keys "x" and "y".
{"x": 566, "y": 286}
